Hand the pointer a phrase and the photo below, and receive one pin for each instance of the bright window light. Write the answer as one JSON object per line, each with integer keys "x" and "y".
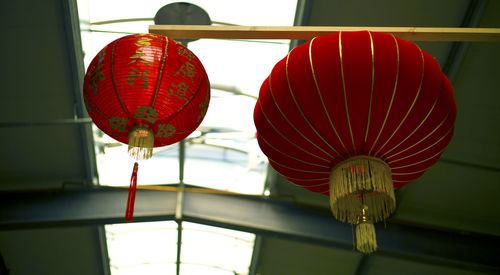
{"x": 212, "y": 250}
{"x": 221, "y": 154}
{"x": 142, "y": 248}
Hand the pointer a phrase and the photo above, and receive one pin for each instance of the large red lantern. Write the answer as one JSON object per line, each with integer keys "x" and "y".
{"x": 354, "y": 115}
{"x": 146, "y": 90}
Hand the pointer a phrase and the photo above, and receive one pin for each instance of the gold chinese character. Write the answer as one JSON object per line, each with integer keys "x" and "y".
{"x": 180, "y": 91}
{"x": 143, "y": 41}
{"x": 185, "y": 52}
{"x": 135, "y": 74}
{"x": 146, "y": 113}
{"x": 165, "y": 130}
{"x": 96, "y": 74}
{"x": 203, "y": 107}
{"x": 118, "y": 123}
{"x": 87, "y": 106}
{"x": 137, "y": 57}
{"x": 188, "y": 70}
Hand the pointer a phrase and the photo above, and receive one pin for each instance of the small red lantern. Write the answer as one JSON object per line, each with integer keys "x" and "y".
{"x": 147, "y": 91}
{"x": 354, "y": 115}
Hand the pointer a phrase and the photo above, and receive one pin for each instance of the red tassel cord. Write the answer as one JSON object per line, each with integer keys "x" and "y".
{"x": 131, "y": 194}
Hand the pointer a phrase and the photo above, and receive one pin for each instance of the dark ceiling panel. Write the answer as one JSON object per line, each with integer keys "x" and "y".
{"x": 37, "y": 86}
{"x": 46, "y": 251}
{"x": 477, "y": 130}
{"x": 40, "y": 157}
{"x": 387, "y": 13}
{"x": 281, "y": 256}
{"x": 380, "y": 265}
{"x": 393, "y": 13}
{"x": 453, "y": 196}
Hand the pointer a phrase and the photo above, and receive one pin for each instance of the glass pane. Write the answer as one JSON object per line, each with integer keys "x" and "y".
{"x": 214, "y": 250}
{"x": 115, "y": 166}
{"x": 142, "y": 248}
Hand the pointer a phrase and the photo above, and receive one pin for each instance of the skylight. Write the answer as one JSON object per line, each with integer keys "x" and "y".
{"x": 223, "y": 152}
{"x": 151, "y": 248}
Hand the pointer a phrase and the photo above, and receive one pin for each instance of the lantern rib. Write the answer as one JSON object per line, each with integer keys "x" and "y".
{"x": 425, "y": 149}
{"x": 411, "y": 106}
{"x": 345, "y": 94}
{"x": 197, "y": 90}
{"x": 409, "y": 173}
{"x": 392, "y": 98}
{"x": 114, "y": 79}
{"x": 428, "y": 135}
{"x": 285, "y": 138}
{"x": 309, "y": 179}
{"x": 292, "y": 157}
{"x": 418, "y": 162}
{"x": 290, "y": 123}
{"x": 371, "y": 89}
{"x": 160, "y": 74}
{"x": 311, "y": 185}
{"x": 300, "y": 110}
{"x": 97, "y": 109}
{"x": 299, "y": 170}
{"x": 422, "y": 122}
{"x": 321, "y": 98}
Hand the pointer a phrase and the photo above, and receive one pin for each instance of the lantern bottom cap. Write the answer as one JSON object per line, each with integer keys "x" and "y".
{"x": 140, "y": 142}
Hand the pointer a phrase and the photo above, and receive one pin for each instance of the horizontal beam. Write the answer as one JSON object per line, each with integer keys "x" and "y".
{"x": 307, "y": 33}
{"x": 81, "y": 206}
{"x": 260, "y": 215}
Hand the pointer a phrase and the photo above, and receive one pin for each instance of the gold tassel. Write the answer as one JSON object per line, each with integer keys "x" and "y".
{"x": 356, "y": 185}
{"x": 366, "y": 240}
{"x": 358, "y": 181}
{"x": 140, "y": 142}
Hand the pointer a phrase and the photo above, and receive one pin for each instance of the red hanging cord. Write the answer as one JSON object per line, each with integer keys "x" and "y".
{"x": 129, "y": 213}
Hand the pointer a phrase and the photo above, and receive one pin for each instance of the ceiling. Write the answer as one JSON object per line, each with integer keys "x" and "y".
{"x": 42, "y": 145}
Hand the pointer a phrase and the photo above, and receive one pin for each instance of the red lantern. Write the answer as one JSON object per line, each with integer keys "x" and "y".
{"x": 354, "y": 115}
{"x": 146, "y": 90}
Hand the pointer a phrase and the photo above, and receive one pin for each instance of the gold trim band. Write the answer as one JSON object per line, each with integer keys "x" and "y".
{"x": 285, "y": 138}
{"x": 321, "y": 98}
{"x": 114, "y": 79}
{"x": 411, "y": 106}
{"x": 300, "y": 110}
{"x": 392, "y": 98}
{"x": 164, "y": 57}
{"x": 345, "y": 94}
{"x": 290, "y": 123}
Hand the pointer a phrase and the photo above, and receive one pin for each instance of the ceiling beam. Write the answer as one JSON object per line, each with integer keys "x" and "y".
{"x": 306, "y": 32}
{"x": 75, "y": 51}
{"x": 458, "y": 50}
{"x": 260, "y": 215}
{"x": 254, "y": 263}
{"x": 302, "y": 15}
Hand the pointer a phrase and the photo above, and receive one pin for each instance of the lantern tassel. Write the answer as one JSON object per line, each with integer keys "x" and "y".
{"x": 361, "y": 175}
{"x": 129, "y": 213}
{"x": 366, "y": 240}
{"x": 140, "y": 142}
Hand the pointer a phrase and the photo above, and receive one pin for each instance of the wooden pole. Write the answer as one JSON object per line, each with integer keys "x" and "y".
{"x": 307, "y": 33}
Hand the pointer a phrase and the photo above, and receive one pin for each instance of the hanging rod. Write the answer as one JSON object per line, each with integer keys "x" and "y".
{"x": 306, "y": 32}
